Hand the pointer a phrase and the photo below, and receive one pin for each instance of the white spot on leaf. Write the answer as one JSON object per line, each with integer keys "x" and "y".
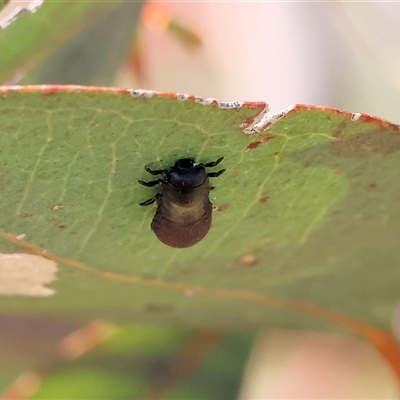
{"x": 266, "y": 120}
{"x": 140, "y": 92}
{"x": 203, "y": 101}
{"x": 230, "y": 104}
{"x": 26, "y": 274}
{"x": 182, "y": 96}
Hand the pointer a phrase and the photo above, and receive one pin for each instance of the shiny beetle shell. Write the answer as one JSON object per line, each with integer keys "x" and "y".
{"x": 184, "y": 212}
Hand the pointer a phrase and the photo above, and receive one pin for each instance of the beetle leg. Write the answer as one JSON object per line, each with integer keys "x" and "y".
{"x": 149, "y": 201}
{"x": 212, "y": 163}
{"x": 151, "y": 183}
{"x": 155, "y": 171}
{"x": 215, "y": 174}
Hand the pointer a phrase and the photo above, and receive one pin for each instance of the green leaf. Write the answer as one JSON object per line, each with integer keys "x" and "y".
{"x": 31, "y": 38}
{"x": 95, "y": 55}
{"x": 306, "y": 212}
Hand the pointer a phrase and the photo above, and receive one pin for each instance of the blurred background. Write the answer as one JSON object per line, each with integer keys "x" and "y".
{"x": 340, "y": 54}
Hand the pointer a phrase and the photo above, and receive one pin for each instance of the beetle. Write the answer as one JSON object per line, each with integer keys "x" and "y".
{"x": 183, "y": 216}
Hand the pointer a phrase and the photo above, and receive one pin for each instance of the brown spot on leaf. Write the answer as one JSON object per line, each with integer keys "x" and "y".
{"x": 258, "y": 143}
{"x": 336, "y": 171}
{"x": 27, "y": 215}
{"x": 253, "y": 145}
{"x": 222, "y": 207}
{"x": 61, "y": 226}
{"x": 372, "y": 185}
{"x": 276, "y": 153}
{"x": 264, "y": 199}
{"x": 250, "y": 260}
{"x": 247, "y": 122}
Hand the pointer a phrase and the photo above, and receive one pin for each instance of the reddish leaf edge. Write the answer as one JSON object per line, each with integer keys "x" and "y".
{"x": 55, "y": 89}
{"x": 383, "y": 341}
{"x": 264, "y": 120}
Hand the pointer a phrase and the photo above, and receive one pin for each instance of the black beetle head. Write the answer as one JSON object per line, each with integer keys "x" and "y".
{"x": 186, "y": 174}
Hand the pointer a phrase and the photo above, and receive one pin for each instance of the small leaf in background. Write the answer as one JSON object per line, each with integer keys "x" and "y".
{"x": 85, "y": 339}
{"x": 29, "y": 41}
{"x": 94, "y": 55}
{"x": 157, "y": 16}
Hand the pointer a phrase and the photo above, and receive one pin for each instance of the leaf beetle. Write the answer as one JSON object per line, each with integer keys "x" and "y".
{"x": 184, "y": 212}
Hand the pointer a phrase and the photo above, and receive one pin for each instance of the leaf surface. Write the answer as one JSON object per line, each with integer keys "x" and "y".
{"x": 306, "y": 212}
